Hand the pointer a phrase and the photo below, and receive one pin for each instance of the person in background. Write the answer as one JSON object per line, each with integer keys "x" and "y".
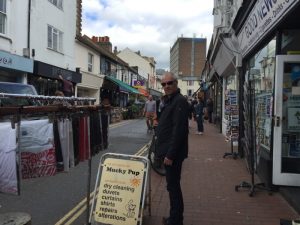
{"x": 210, "y": 107}
{"x": 199, "y": 109}
{"x": 172, "y": 143}
{"x": 67, "y": 87}
{"x": 150, "y": 112}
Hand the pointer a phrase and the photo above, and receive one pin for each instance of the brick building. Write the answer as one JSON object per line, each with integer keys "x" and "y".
{"x": 187, "y": 60}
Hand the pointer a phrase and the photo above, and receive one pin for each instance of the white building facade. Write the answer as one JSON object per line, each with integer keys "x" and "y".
{"x": 14, "y": 41}
{"x": 52, "y": 31}
{"x": 146, "y": 65}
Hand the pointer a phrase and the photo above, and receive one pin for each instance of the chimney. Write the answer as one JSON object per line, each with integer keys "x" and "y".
{"x": 103, "y": 42}
{"x": 95, "y": 39}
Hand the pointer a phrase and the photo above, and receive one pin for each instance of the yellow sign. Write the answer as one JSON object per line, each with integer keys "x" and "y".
{"x": 120, "y": 192}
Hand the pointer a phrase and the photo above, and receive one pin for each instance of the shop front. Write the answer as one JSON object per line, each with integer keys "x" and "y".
{"x": 116, "y": 91}
{"x": 90, "y": 86}
{"x": 13, "y": 68}
{"x": 46, "y": 78}
{"x": 270, "y": 87}
{"x": 223, "y": 88}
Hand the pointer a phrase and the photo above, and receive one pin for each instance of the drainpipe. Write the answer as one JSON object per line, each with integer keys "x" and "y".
{"x": 25, "y": 78}
{"x": 28, "y": 26}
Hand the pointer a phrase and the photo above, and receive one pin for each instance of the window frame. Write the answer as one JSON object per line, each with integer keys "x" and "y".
{"x": 55, "y": 35}
{"x": 3, "y": 14}
{"x": 58, "y": 4}
{"x": 90, "y": 62}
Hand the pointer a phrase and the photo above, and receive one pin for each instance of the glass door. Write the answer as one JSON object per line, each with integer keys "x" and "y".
{"x": 286, "y": 144}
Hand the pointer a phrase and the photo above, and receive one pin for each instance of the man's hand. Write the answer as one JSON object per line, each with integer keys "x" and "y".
{"x": 168, "y": 162}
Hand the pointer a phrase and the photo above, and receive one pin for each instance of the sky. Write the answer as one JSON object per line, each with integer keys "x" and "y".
{"x": 151, "y": 27}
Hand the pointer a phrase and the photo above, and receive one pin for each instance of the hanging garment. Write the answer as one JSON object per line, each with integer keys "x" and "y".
{"x": 8, "y": 168}
{"x": 84, "y": 138}
{"x": 66, "y": 141}
{"x": 37, "y": 149}
{"x": 58, "y": 151}
{"x": 95, "y": 133}
{"x": 76, "y": 137}
{"x": 105, "y": 123}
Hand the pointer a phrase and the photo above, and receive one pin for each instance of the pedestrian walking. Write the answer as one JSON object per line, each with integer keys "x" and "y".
{"x": 199, "y": 111}
{"x": 150, "y": 112}
{"x": 210, "y": 108}
{"x": 172, "y": 144}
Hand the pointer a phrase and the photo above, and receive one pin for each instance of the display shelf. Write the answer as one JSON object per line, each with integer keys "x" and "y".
{"x": 231, "y": 114}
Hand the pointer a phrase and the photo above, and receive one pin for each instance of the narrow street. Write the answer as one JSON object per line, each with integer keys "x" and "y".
{"x": 61, "y": 199}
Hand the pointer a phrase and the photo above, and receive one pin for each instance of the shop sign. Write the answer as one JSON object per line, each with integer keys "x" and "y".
{"x": 263, "y": 17}
{"x": 51, "y": 71}
{"x": 16, "y": 62}
{"x": 138, "y": 83}
{"x": 121, "y": 188}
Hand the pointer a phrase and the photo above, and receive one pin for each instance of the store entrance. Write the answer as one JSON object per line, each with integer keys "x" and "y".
{"x": 286, "y": 145}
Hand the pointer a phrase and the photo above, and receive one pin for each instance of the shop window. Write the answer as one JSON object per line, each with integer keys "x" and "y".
{"x": 57, "y": 3}
{"x": 55, "y": 39}
{"x": 90, "y": 62}
{"x": 2, "y": 16}
{"x": 290, "y": 42}
{"x": 261, "y": 74}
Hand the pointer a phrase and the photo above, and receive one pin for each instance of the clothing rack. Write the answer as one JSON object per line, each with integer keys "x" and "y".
{"x": 18, "y": 111}
{"x": 47, "y": 98}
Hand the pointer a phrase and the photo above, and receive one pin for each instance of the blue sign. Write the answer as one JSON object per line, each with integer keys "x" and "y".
{"x": 16, "y": 62}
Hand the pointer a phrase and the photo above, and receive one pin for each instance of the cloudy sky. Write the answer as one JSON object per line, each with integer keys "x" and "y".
{"x": 149, "y": 26}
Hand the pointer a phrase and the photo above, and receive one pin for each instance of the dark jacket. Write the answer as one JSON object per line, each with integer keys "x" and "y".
{"x": 199, "y": 108}
{"x": 172, "y": 130}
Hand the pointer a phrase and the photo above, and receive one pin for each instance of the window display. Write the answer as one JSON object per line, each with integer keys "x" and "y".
{"x": 231, "y": 110}
{"x": 261, "y": 74}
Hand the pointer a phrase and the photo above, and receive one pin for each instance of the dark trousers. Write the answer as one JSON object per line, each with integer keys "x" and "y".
{"x": 173, "y": 175}
{"x": 200, "y": 123}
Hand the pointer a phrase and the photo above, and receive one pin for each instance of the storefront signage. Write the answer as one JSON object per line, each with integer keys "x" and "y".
{"x": 120, "y": 192}
{"x": 138, "y": 83}
{"x": 51, "y": 71}
{"x": 16, "y": 62}
{"x": 264, "y": 16}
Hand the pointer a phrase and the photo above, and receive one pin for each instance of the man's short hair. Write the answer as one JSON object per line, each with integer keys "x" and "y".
{"x": 170, "y": 74}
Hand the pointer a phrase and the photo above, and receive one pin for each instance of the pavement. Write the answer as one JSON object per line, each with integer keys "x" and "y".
{"x": 208, "y": 185}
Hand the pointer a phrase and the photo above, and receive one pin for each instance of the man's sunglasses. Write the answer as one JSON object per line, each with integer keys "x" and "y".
{"x": 167, "y": 83}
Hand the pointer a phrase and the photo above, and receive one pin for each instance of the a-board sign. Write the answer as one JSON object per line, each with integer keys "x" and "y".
{"x": 121, "y": 189}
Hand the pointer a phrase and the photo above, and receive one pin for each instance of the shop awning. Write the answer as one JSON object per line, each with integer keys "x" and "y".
{"x": 156, "y": 93}
{"x": 123, "y": 86}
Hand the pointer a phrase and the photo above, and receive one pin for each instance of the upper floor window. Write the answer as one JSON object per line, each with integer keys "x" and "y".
{"x": 90, "y": 62}
{"x": 55, "y": 39}
{"x": 57, "y": 3}
{"x": 2, "y": 16}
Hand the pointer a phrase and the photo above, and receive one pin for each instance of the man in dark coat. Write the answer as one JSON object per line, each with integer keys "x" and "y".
{"x": 172, "y": 144}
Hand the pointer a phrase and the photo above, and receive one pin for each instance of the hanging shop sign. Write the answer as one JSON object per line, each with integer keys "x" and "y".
{"x": 15, "y": 62}
{"x": 121, "y": 189}
{"x": 138, "y": 83}
{"x": 262, "y": 18}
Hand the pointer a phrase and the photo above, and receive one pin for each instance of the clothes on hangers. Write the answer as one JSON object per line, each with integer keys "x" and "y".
{"x": 8, "y": 168}
{"x": 84, "y": 138}
{"x": 66, "y": 142}
{"x": 37, "y": 149}
{"x": 95, "y": 133}
{"x": 105, "y": 124}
